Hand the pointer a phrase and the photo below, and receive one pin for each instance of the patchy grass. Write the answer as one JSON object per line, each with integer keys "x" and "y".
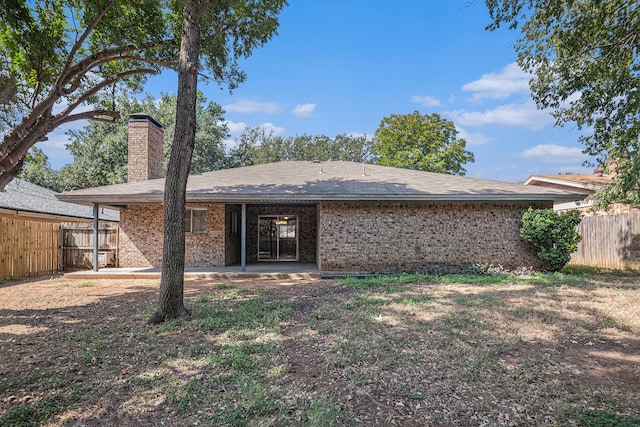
{"x": 542, "y": 349}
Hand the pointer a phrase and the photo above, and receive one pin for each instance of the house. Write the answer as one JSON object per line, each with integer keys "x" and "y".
{"x": 583, "y": 184}
{"x": 345, "y": 217}
{"x": 21, "y": 199}
{"x": 610, "y": 237}
{"x": 32, "y": 231}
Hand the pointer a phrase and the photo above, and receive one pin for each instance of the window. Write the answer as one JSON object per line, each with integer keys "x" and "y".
{"x": 195, "y": 221}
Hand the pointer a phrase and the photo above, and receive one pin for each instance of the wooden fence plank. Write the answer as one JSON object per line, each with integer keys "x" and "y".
{"x": 28, "y": 248}
{"x": 610, "y": 241}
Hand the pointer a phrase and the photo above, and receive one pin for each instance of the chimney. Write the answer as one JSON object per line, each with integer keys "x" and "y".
{"x": 146, "y": 139}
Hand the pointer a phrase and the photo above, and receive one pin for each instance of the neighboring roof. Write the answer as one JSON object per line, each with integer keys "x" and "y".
{"x": 590, "y": 183}
{"x": 304, "y": 182}
{"x": 22, "y": 197}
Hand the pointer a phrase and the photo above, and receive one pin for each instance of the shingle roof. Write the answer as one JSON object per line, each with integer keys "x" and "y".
{"x": 591, "y": 183}
{"x": 22, "y": 196}
{"x": 303, "y": 181}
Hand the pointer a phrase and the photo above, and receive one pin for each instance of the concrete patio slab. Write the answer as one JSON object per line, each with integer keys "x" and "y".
{"x": 261, "y": 270}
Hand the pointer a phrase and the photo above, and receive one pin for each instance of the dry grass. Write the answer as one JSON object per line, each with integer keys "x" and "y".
{"x": 453, "y": 350}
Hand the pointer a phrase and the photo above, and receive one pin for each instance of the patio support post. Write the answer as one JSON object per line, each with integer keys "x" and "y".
{"x": 243, "y": 238}
{"x": 96, "y": 212}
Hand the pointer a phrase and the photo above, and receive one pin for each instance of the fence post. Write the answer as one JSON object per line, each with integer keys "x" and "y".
{"x": 96, "y": 212}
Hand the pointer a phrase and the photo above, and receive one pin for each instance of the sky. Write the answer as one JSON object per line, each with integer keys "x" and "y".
{"x": 341, "y": 66}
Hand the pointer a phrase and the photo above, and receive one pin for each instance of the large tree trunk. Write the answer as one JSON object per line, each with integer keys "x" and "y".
{"x": 171, "y": 300}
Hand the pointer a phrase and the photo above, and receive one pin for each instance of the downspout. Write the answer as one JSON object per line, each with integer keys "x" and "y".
{"x": 96, "y": 212}
{"x": 243, "y": 238}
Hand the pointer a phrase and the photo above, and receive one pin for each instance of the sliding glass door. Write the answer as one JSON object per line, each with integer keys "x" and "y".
{"x": 278, "y": 238}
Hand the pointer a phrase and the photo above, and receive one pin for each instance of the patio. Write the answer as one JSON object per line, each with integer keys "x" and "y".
{"x": 260, "y": 270}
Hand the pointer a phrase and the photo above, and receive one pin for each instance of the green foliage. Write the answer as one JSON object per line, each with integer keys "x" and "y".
{"x": 584, "y": 58}
{"x": 81, "y": 54}
{"x": 100, "y": 149}
{"x": 258, "y": 145}
{"x": 591, "y": 418}
{"x": 553, "y": 234}
{"x": 422, "y": 142}
{"x": 38, "y": 171}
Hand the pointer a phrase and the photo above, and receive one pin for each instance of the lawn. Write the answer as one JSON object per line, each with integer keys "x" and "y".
{"x": 546, "y": 349}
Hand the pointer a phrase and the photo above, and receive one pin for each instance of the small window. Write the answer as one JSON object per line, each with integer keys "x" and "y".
{"x": 195, "y": 221}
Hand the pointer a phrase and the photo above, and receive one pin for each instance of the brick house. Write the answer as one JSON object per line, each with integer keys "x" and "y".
{"x": 343, "y": 216}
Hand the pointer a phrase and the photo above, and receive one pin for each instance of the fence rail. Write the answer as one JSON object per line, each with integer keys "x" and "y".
{"x": 28, "y": 248}
{"x": 610, "y": 241}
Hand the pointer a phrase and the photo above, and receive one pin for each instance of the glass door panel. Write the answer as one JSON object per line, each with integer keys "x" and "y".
{"x": 277, "y": 238}
{"x": 267, "y": 239}
{"x": 287, "y": 239}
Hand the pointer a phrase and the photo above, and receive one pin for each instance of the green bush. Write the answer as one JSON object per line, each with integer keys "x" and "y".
{"x": 554, "y": 234}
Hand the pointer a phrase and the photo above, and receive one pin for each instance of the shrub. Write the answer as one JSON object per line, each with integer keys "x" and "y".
{"x": 554, "y": 234}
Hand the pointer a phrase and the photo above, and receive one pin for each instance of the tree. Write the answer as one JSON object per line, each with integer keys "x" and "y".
{"x": 584, "y": 58}
{"x": 221, "y": 32}
{"x": 259, "y": 145}
{"x": 37, "y": 170}
{"x": 64, "y": 60}
{"x": 100, "y": 149}
{"x": 422, "y": 142}
{"x": 553, "y": 234}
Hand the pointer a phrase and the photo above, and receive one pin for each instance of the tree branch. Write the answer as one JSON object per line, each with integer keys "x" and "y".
{"x": 86, "y": 64}
{"x": 76, "y": 46}
{"x": 97, "y": 115}
{"x": 106, "y": 82}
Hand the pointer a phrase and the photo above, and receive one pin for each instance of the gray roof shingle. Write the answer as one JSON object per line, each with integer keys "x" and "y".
{"x": 23, "y": 196}
{"x": 304, "y": 181}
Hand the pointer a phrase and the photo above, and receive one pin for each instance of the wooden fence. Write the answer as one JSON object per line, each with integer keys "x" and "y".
{"x": 28, "y": 248}
{"x": 77, "y": 242}
{"x": 35, "y": 247}
{"x": 610, "y": 241}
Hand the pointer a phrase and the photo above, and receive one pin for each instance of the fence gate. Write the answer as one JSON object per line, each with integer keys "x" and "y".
{"x": 77, "y": 245}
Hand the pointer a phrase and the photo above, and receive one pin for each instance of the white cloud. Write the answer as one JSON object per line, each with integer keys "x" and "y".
{"x": 249, "y": 106}
{"x": 511, "y": 79}
{"x": 525, "y": 115}
{"x": 277, "y": 130}
{"x": 553, "y": 153}
{"x": 235, "y": 128}
{"x": 304, "y": 110}
{"x": 427, "y": 101}
{"x": 472, "y": 138}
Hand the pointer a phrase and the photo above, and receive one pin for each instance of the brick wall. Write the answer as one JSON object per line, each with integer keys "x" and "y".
{"x": 141, "y": 236}
{"x": 144, "y": 149}
{"x": 389, "y": 237}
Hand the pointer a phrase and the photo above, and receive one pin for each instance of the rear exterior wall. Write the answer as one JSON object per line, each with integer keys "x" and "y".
{"x": 368, "y": 237}
{"x": 141, "y": 237}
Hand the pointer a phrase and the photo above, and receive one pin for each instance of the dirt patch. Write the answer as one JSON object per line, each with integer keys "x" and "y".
{"x": 312, "y": 352}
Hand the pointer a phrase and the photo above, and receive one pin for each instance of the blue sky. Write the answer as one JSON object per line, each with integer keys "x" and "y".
{"x": 340, "y": 66}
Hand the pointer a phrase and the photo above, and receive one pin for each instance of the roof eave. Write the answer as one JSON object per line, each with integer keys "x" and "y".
{"x": 302, "y": 198}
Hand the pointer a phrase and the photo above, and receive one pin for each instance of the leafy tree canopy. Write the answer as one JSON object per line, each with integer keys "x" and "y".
{"x": 68, "y": 60}
{"x": 584, "y": 58}
{"x": 423, "y": 142}
{"x": 258, "y": 145}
